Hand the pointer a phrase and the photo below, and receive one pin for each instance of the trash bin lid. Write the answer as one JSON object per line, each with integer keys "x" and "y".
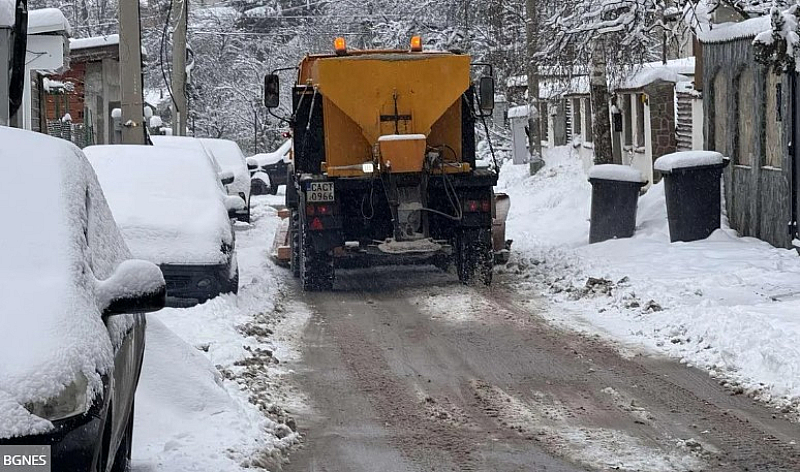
{"x": 685, "y": 159}
{"x": 617, "y": 173}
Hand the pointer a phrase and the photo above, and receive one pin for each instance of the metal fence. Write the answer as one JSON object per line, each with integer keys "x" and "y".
{"x": 77, "y": 133}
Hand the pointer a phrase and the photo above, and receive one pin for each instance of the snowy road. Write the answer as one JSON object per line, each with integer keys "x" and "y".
{"x": 405, "y": 369}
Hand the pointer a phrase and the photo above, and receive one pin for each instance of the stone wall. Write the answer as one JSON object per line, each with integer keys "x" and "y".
{"x": 661, "y": 98}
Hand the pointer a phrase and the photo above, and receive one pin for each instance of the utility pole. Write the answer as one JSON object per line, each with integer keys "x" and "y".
{"x": 130, "y": 64}
{"x": 179, "y": 12}
{"x": 532, "y": 48}
{"x": 466, "y": 25}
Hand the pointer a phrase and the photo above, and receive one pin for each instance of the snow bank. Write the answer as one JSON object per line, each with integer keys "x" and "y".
{"x": 726, "y": 304}
{"x": 167, "y": 201}
{"x": 616, "y": 172}
{"x": 7, "y": 13}
{"x": 47, "y": 20}
{"x": 189, "y": 417}
{"x": 681, "y": 160}
{"x": 51, "y": 330}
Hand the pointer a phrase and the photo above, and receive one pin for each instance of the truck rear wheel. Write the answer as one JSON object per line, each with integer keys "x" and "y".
{"x": 316, "y": 268}
{"x": 474, "y": 256}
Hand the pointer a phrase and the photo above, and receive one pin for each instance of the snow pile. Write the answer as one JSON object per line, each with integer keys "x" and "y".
{"x": 198, "y": 414}
{"x": 726, "y": 304}
{"x": 167, "y": 201}
{"x": 681, "y": 160}
{"x": 51, "y": 330}
{"x": 616, "y": 172}
{"x": 7, "y": 13}
{"x": 230, "y": 158}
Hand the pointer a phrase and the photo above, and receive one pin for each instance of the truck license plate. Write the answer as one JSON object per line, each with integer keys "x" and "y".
{"x": 320, "y": 192}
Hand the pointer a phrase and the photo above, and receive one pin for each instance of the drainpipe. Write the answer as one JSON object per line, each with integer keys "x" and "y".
{"x": 793, "y": 176}
{"x": 17, "y": 85}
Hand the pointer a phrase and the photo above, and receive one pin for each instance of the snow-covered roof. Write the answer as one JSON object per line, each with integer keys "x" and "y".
{"x": 47, "y": 20}
{"x": 676, "y": 70}
{"x": 51, "y": 329}
{"x": 265, "y": 159}
{"x": 556, "y": 88}
{"x": 94, "y": 42}
{"x": 518, "y": 112}
{"x": 167, "y": 202}
{"x": 229, "y": 156}
{"x": 7, "y": 13}
{"x": 726, "y": 32}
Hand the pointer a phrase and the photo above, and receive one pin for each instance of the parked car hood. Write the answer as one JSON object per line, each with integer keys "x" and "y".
{"x": 51, "y": 328}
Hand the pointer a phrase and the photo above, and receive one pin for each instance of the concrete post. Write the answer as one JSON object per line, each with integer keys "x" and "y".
{"x": 180, "y": 119}
{"x": 130, "y": 63}
{"x": 5, "y": 65}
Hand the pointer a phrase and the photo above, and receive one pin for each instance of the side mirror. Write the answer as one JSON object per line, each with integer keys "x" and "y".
{"x": 252, "y": 164}
{"x": 234, "y": 204}
{"x": 226, "y": 177}
{"x": 486, "y": 94}
{"x": 135, "y": 287}
{"x": 272, "y": 91}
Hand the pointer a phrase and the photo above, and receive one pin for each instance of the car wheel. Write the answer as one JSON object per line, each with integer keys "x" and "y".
{"x": 122, "y": 459}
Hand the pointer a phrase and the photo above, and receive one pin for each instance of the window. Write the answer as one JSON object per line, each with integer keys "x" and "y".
{"x": 773, "y": 117}
{"x": 719, "y": 94}
{"x": 577, "y": 121}
{"x": 627, "y": 121}
{"x": 588, "y": 120}
{"x": 745, "y": 107}
{"x": 639, "y": 105}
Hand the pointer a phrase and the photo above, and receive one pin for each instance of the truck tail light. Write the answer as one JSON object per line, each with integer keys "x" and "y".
{"x": 319, "y": 209}
{"x": 316, "y": 224}
{"x": 475, "y": 206}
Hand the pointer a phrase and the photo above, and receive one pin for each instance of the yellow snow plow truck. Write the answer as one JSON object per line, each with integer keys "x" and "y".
{"x": 383, "y": 163}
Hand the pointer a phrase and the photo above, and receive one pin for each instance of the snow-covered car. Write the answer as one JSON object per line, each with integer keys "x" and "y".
{"x": 71, "y": 324}
{"x": 230, "y": 158}
{"x": 171, "y": 210}
{"x": 275, "y": 164}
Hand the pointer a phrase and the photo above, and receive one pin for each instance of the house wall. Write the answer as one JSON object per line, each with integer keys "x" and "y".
{"x": 758, "y": 197}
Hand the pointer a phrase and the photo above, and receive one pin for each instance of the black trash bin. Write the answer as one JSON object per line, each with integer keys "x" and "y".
{"x": 692, "y": 189}
{"x": 615, "y": 196}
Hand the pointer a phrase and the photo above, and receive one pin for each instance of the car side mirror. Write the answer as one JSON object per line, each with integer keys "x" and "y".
{"x": 252, "y": 164}
{"x": 486, "y": 94}
{"x": 136, "y": 286}
{"x": 234, "y": 204}
{"x": 272, "y": 91}
{"x": 226, "y": 177}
